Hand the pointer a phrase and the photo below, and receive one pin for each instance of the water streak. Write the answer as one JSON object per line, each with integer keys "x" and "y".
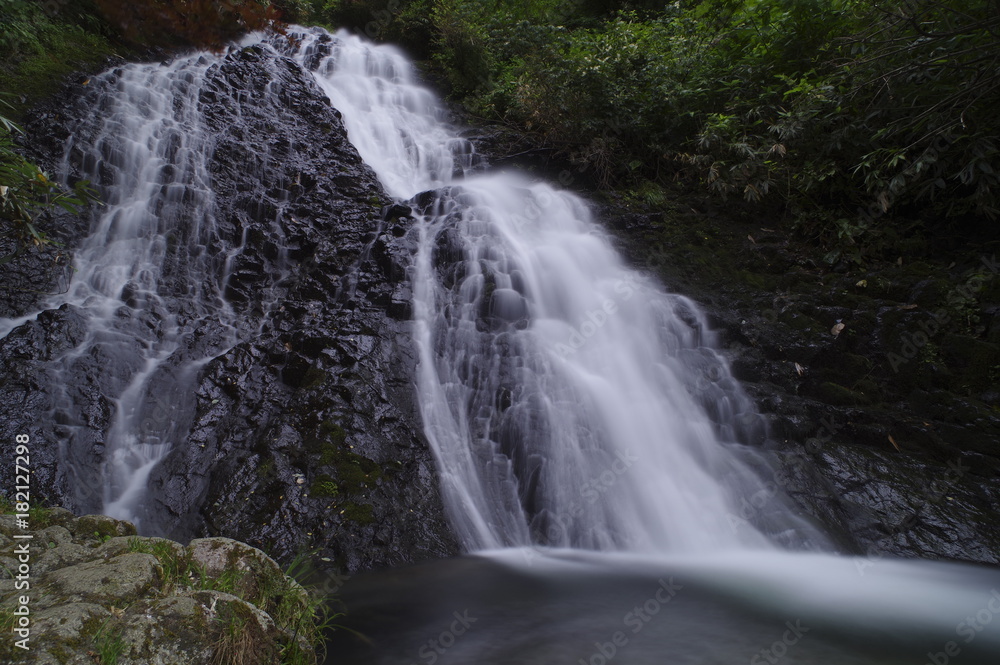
{"x": 148, "y": 281}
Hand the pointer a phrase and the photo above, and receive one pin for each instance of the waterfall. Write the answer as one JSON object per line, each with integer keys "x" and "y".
{"x": 151, "y": 275}
{"x": 569, "y": 400}
{"x": 148, "y": 279}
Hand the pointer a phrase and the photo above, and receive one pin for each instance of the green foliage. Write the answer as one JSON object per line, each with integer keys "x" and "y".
{"x": 28, "y": 194}
{"x": 297, "y": 608}
{"x": 324, "y": 486}
{"x": 44, "y": 42}
{"x": 848, "y": 111}
{"x": 39, "y": 516}
{"x": 108, "y": 644}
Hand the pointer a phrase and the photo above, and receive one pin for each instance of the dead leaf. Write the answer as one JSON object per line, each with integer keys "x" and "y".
{"x": 750, "y": 238}
{"x": 910, "y": 306}
{"x": 837, "y": 329}
{"x": 767, "y": 230}
{"x": 899, "y": 261}
{"x": 800, "y": 369}
{"x": 893, "y": 442}
{"x": 862, "y": 283}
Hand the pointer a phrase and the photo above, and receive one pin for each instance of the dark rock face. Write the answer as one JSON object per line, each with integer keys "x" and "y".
{"x": 306, "y": 434}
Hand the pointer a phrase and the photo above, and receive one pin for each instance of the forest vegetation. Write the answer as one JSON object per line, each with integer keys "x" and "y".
{"x": 861, "y": 123}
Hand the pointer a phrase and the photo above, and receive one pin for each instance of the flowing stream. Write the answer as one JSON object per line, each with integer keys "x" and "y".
{"x": 148, "y": 280}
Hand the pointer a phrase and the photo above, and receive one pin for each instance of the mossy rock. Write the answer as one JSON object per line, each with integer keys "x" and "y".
{"x": 354, "y": 472}
{"x": 328, "y": 443}
{"x": 333, "y": 432}
{"x": 324, "y": 486}
{"x": 361, "y": 513}
{"x": 239, "y": 568}
{"x": 119, "y": 600}
{"x": 119, "y": 580}
{"x": 975, "y": 363}
{"x": 313, "y": 378}
{"x": 842, "y": 367}
{"x": 102, "y": 526}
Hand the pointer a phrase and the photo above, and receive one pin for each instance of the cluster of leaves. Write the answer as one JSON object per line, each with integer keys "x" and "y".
{"x": 27, "y": 194}
{"x": 857, "y": 108}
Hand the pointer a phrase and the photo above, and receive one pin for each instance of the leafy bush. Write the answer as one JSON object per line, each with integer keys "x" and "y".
{"x": 840, "y": 113}
{"x": 43, "y": 42}
{"x": 27, "y": 194}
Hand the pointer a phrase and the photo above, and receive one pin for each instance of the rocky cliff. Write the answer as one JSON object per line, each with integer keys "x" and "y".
{"x": 305, "y": 435}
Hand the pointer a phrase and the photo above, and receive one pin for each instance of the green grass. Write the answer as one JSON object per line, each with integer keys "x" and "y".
{"x": 108, "y": 645}
{"x": 42, "y": 50}
{"x": 293, "y": 606}
{"x": 39, "y": 516}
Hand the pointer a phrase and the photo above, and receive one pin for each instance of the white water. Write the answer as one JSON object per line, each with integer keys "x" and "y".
{"x": 148, "y": 280}
{"x": 565, "y": 395}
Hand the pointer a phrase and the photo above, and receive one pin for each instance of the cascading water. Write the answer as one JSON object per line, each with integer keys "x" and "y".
{"x": 152, "y": 272}
{"x": 566, "y": 397}
{"x": 148, "y": 280}
{"x": 572, "y": 403}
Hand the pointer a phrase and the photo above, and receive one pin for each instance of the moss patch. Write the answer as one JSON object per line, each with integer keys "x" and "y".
{"x": 358, "y": 512}
{"x": 833, "y": 393}
{"x": 324, "y": 486}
